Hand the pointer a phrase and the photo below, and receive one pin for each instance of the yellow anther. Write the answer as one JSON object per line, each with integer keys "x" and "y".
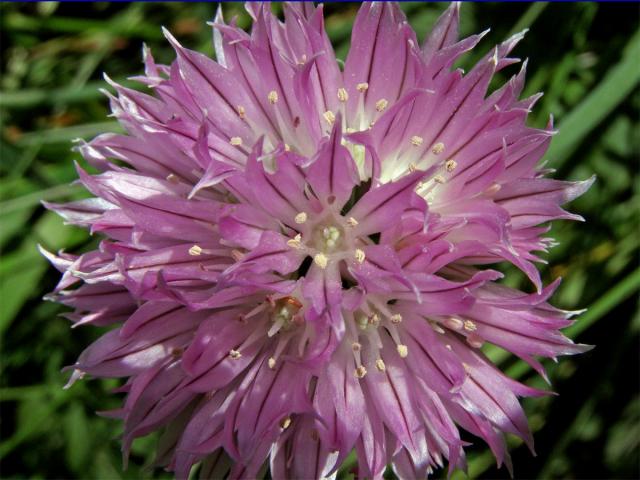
{"x": 362, "y": 87}
{"x": 285, "y": 422}
{"x": 494, "y": 57}
{"x": 343, "y": 96}
{"x": 329, "y": 117}
{"x": 287, "y": 147}
{"x": 359, "y": 255}
{"x": 403, "y": 350}
{"x": 321, "y": 260}
{"x": 495, "y": 188}
{"x": 172, "y": 178}
{"x": 295, "y": 242}
{"x": 361, "y": 371}
{"x": 438, "y": 148}
{"x": 273, "y": 97}
{"x": 416, "y": 141}
{"x": 395, "y": 318}
{"x": 235, "y": 141}
{"x": 241, "y": 111}
{"x": 235, "y": 354}
{"x": 380, "y": 365}
{"x": 352, "y": 222}
{"x": 450, "y": 165}
{"x": 439, "y": 179}
{"x": 195, "y": 250}
{"x": 272, "y": 363}
{"x": 436, "y": 328}
{"x": 381, "y": 104}
{"x": 301, "y": 217}
{"x": 469, "y": 326}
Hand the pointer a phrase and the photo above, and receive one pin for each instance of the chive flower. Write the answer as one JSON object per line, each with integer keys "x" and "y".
{"x": 296, "y": 253}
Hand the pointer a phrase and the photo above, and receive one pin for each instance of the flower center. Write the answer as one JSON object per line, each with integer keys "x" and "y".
{"x": 328, "y": 238}
{"x": 283, "y": 314}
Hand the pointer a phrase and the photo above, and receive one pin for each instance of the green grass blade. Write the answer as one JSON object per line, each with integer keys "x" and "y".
{"x": 616, "y": 295}
{"x": 28, "y": 98}
{"x": 33, "y": 199}
{"x": 610, "y": 92}
{"x": 529, "y": 17}
{"x": 67, "y": 134}
{"x": 17, "y": 21}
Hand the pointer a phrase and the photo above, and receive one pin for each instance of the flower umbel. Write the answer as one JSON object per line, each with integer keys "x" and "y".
{"x": 295, "y": 256}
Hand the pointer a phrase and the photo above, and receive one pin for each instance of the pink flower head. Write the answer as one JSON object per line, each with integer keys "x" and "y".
{"x": 295, "y": 255}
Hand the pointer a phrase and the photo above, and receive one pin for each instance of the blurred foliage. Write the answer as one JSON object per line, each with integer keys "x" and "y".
{"x": 52, "y": 58}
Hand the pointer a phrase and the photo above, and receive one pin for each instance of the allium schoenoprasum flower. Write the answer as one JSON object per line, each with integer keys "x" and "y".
{"x": 296, "y": 255}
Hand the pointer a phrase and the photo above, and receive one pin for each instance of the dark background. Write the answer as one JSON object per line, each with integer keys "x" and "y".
{"x": 584, "y": 56}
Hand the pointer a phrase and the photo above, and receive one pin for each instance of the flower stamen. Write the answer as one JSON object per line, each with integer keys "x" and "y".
{"x": 469, "y": 326}
{"x": 439, "y": 179}
{"x": 330, "y": 235}
{"x": 436, "y": 328}
{"x": 295, "y": 242}
{"x": 321, "y": 260}
{"x": 329, "y": 117}
{"x": 301, "y": 217}
{"x": 453, "y": 323}
{"x": 362, "y": 321}
{"x": 474, "y": 340}
{"x": 381, "y": 104}
{"x": 416, "y": 141}
{"x": 285, "y": 422}
{"x": 438, "y": 148}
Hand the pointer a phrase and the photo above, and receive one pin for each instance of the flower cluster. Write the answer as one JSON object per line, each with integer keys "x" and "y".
{"x": 295, "y": 255}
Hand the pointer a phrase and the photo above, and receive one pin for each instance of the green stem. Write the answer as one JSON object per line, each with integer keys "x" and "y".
{"x": 618, "y": 83}
{"x": 529, "y": 17}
